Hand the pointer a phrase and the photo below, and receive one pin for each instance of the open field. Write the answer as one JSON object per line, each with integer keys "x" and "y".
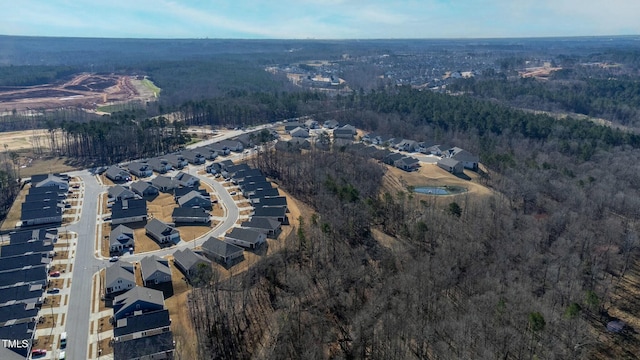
{"x": 84, "y": 90}
{"x": 14, "y": 214}
{"x": 432, "y": 175}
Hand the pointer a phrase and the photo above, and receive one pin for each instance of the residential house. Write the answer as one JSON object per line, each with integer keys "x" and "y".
{"x": 116, "y": 173}
{"x": 121, "y": 239}
{"x": 23, "y": 294}
{"x": 343, "y": 133}
{"x": 190, "y": 215}
{"x": 278, "y": 213}
{"x": 18, "y": 312}
{"x": 230, "y": 170}
{"x": 128, "y": 211}
{"x": 42, "y": 247}
{"x": 311, "y": 124}
{"x": 23, "y": 261}
{"x": 194, "y": 157}
{"x": 118, "y": 278}
{"x": 43, "y": 203}
{"x": 43, "y": 215}
{"x": 407, "y": 163}
{"x": 233, "y": 145}
{"x": 293, "y": 145}
{"x": 392, "y": 158}
{"x": 299, "y": 133}
{"x": 189, "y": 262}
{"x": 245, "y": 238}
{"x": 157, "y": 346}
{"x": 292, "y": 125}
{"x": 23, "y": 236}
{"x": 276, "y": 201}
{"x": 222, "y": 252}
{"x": 250, "y": 189}
{"x": 50, "y": 180}
{"x": 221, "y": 149}
{"x": 330, "y": 124}
{"x": 160, "y": 166}
{"x": 246, "y": 139}
{"x": 164, "y": 183}
{"x": 467, "y": 159}
{"x": 214, "y": 168}
{"x": 187, "y": 180}
{"x": 155, "y": 270}
{"x": 120, "y": 192}
{"x": 208, "y": 152}
{"x": 264, "y": 193}
{"x": 176, "y": 161}
{"x": 48, "y": 190}
{"x": 407, "y": 145}
{"x": 140, "y": 169}
{"x": 138, "y": 326}
{"x": 195, "y": 199}
{"x": 368, "y": 138}
{"x": 240, "y": 176}
{"x": 144, "y": 189}
{"x": 137, "y": 300}
{"x": 437, "y": 150}
{"x": 254, "y": 179}
{"x": 30, "y": 275}
{"x": 451, "y": 165}
{"x": 268, "y": 226}
{"x": 182, "y": 191}
{"x": 161, "y": 232}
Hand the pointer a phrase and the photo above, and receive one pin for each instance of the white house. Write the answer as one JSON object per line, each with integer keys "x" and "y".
{"x": 119, "y": 277}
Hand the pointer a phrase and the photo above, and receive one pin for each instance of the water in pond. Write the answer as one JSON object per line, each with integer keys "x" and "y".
{"x": 439, "y": 190}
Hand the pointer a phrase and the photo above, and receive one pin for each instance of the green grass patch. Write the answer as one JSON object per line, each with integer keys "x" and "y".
{"x": 151, "y": 86}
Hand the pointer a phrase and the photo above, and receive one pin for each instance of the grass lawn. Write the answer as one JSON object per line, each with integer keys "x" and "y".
{"x": 151, "y": 86}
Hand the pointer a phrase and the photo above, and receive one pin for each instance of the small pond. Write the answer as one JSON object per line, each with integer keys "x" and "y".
{"x": 439, "y": 190}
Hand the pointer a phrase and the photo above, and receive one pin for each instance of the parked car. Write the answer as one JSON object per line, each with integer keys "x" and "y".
{"x": 53, "y": 290}
{"x": 113, "y": 259}
{"x": 38, "y": 352}
{"x": 232, "y": 193}
{"x": 54, "y": 273}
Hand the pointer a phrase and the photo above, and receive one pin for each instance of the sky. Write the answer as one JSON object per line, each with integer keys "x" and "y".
{"x": 319, "y": 19}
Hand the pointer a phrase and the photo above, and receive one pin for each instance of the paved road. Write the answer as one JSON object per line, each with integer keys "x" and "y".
{"x": 232, "y": 215}
{"x": 84, "y": 266}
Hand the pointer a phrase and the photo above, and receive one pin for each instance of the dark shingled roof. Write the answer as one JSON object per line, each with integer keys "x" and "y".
{"x": 146, "y": 321}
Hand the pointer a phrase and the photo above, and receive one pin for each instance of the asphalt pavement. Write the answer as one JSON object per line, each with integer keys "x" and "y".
{"x": 85, "y": 264}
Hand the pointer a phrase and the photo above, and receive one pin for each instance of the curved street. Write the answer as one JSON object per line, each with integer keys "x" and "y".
{"x": 87, "y": 261}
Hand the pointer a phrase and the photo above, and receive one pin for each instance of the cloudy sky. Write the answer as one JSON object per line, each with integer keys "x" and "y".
{"x": 320, "y": 19}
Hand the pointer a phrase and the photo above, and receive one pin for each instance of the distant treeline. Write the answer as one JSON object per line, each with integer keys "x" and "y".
{"x": 15, "y": 76}
{"x": 616, "y": 99}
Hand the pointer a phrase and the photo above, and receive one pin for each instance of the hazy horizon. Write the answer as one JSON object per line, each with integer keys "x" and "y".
{"x": 322, "y": 20}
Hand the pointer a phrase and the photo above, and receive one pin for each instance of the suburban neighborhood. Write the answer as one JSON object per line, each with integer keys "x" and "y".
{"x": 159, "y": 224}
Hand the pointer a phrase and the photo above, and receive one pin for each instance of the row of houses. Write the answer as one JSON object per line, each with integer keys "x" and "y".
{"x": 45, "y": 201}
{"x": 141, "y": 325}
{"x": 299, "y": 130}
{"x": 269, "y": 214}
{"x": 455, "y": 154}
{"x": 24, "y": 275}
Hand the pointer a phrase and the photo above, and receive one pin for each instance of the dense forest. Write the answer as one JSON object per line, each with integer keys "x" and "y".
{"x": 614, "y": 99}
{"x": 529, "y": 272}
